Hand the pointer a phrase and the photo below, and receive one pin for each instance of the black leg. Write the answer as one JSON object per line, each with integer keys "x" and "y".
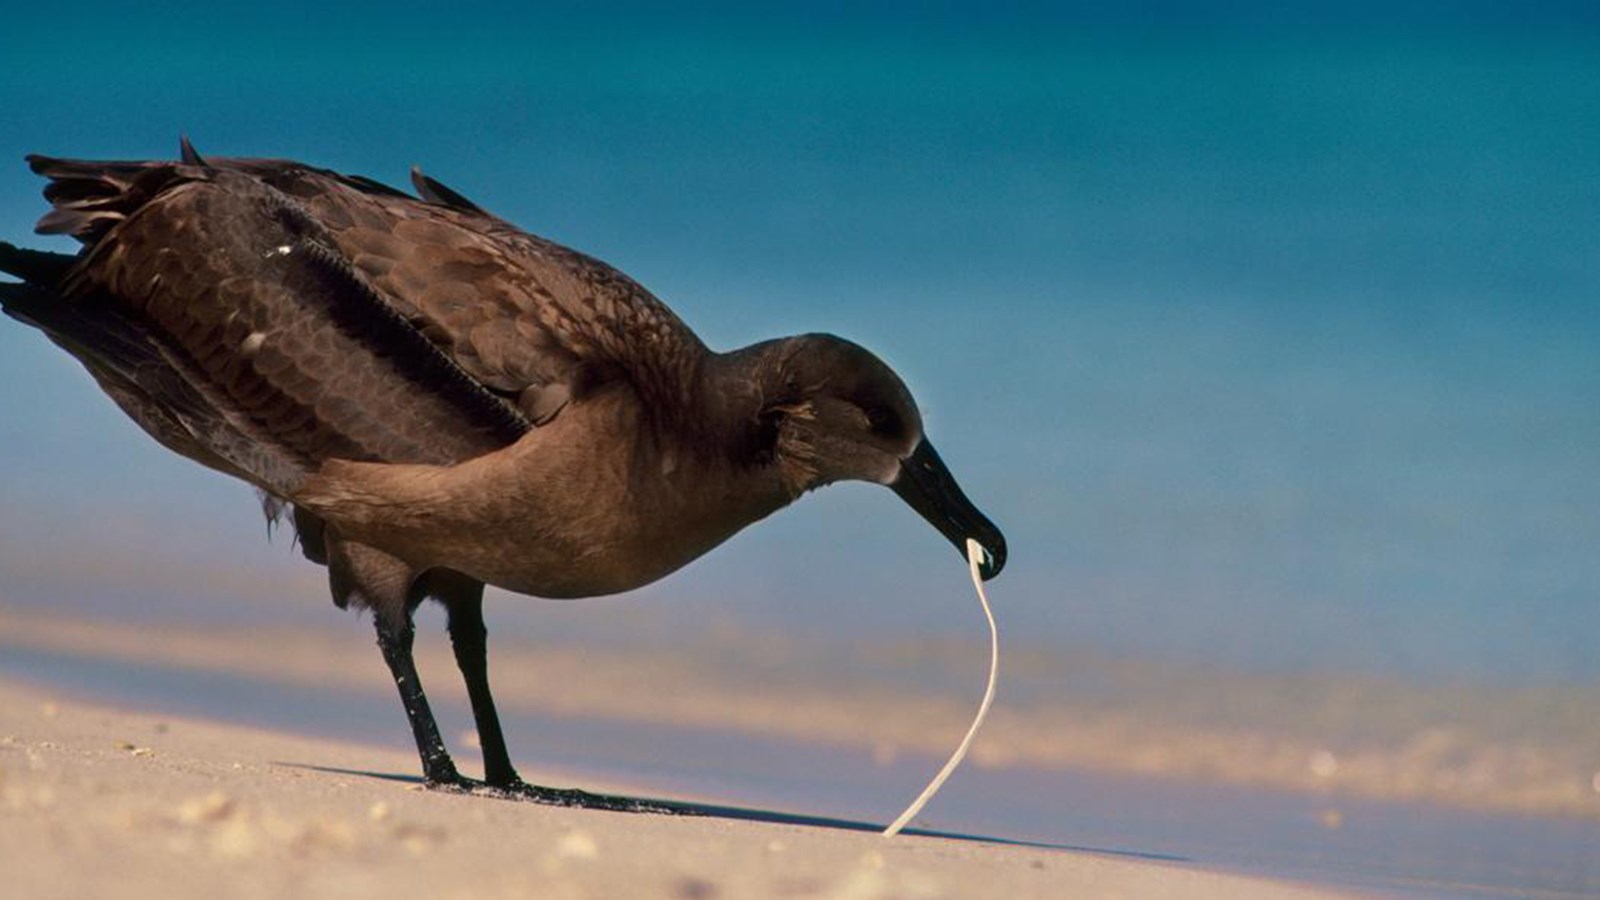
{"x": 366, "y": 577}
{"x": 395, "y": 641}
{"x": 468, "y": 637}
{"x": 371, "y": 578}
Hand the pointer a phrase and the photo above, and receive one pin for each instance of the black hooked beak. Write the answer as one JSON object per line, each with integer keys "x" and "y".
{"x": 931, "y": 490}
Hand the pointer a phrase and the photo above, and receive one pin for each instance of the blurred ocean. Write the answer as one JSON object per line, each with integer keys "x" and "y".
{"x": 1268, "y": 336}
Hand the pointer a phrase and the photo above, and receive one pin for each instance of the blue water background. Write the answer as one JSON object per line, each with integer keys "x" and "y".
{"x": 1269, "y": 334}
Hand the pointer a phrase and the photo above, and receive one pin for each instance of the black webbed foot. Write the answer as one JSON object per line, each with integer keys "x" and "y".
{"x": 452, "y": 783}
{"x": 574, "y": 798}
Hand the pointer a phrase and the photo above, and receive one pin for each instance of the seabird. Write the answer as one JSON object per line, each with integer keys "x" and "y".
{"x": 439, "y": 400}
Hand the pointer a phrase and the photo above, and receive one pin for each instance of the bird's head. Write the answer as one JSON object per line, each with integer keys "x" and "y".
{"x": 835, "y": 412}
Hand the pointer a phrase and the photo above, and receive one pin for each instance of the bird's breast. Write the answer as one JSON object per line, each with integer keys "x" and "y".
{"x": 589, "y": 504}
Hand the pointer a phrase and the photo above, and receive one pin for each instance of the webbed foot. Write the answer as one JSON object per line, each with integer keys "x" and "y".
{"x": 518, "y": 789}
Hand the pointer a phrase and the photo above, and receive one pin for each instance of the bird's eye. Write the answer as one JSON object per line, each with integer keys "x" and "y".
{"x": 882, "y": 420}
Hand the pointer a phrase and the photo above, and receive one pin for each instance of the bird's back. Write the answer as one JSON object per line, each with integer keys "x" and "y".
{"x": 262, "y": 316}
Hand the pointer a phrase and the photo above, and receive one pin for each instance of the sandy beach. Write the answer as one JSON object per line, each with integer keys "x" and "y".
{"x": 99, "y": 802}
{"x": 1512, "y": 751}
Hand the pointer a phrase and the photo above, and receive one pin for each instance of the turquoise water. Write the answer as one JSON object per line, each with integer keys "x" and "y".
{"x": 1270, "y": 344}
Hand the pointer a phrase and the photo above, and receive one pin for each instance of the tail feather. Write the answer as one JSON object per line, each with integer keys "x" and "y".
{"x": 147, "y": 381}
{"x": 152, "y": 382}
{"x": 19, "y": 301}
{"x": 87, "y": 197}
{"x": 37, "y": 267}
{"x": 119, "y": 355}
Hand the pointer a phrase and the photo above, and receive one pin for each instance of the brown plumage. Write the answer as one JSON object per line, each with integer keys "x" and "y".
{"x": 444, "y": 400}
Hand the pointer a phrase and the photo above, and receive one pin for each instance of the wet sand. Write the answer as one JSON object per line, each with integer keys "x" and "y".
{"x": 96, "y": 801}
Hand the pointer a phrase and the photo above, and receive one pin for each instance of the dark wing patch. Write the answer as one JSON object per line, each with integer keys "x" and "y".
{"x": 539, "y": 323}
{"x": 155, "y": 384}
{"x": 253, "y": 294}
{"x": 537, "y": 326}
{"x": 38, "y": 267}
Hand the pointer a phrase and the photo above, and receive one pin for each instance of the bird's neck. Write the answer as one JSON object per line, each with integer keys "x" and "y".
{"x": 736, "y": 392}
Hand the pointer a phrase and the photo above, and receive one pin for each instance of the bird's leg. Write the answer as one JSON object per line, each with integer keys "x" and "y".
{"x": 468, "y": 637}
{"x": 368, "y": 577}
{"x": 395, "y": 641}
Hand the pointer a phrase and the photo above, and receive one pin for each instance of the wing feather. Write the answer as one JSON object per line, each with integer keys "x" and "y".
{"x": 252, "y": 292}
{"x": 351, "y": 320}
{"x": 529, "y": 318}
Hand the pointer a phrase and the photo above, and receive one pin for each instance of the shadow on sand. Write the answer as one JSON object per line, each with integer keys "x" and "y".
{"x": 743, "y": 814}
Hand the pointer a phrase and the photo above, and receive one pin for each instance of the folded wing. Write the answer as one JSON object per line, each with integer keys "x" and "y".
{"x": 308, "y": 315}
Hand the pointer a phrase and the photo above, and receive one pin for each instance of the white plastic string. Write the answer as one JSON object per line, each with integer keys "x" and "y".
{"x": 975, "y": 555}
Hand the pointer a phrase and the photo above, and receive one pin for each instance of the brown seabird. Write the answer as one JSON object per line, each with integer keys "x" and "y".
{"x": 440, "y": 400}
